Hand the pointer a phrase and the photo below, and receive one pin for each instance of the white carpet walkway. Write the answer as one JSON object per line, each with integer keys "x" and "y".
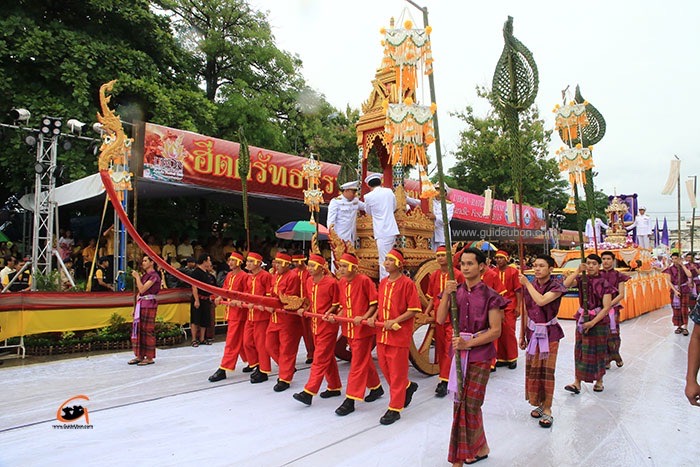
{"x": 169, "y": 414}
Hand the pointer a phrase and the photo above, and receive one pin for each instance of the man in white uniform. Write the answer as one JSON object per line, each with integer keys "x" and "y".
{"x": 380, "y": 203}
{"x": 589, "y": 230}
{"x": 342, "y": 211}
{"x": 439, "y": 234}
{"x": 644, "y": 228}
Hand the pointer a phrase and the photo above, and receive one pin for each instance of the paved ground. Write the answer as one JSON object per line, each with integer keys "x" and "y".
{"x": 169, "y": 414}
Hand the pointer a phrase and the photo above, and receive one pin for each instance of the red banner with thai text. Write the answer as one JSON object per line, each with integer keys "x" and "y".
{"x": 178, "y": 156}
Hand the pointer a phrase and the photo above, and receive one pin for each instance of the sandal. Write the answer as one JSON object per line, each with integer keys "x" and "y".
{"x": 678, "y": 330}
{"x": 598, "y": 388}
{"x": 195, "y": 343}
{"x": 685, "y": 332}
{"x": 207, "y": 342}
{"x": 146, "y": 362}
{"x": 537, "y": 413}
{"x": 546, "y": 421}
{"x": 572, "y": 388}
{"x": 619, "y": 363}
{"x": 134, "y": 361}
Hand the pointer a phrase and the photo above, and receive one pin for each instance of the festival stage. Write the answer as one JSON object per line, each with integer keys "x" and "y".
{"x": 169, "y": 414}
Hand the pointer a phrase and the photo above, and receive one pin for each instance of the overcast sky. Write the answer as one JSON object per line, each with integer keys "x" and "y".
{"x": 636, "y": 61}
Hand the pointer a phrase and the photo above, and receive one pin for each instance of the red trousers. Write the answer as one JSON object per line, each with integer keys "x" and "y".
{"x": 308, "y": 336}
{"x": 443, "y": 349}
{"x": 363, "y": 373}
{"x": 255, "y": 347}
{"x": 394, "y": 364}
{"x": 282, "y": 344}
{"x": 324, "y": 364}
{"x": 507, "y": 344}
{"x": 234, "y": 344}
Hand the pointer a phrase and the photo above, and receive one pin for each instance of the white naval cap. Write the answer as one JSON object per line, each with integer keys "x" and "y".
{"x": 354, "y": 185}
{"x": 642, "y": 208}
{"x": 371, "y": 177}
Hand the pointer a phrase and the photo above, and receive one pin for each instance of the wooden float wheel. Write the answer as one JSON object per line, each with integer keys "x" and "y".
{"x": 422, "y": 351}
{"x": 342, "y": 349}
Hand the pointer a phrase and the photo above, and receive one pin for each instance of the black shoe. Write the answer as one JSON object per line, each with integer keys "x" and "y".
{"x": 409, "y": 393}
{"x": 303, "y": 396}
{"x": 374, "y": 394}
{"x": 248, "y": 369}
{"x": 500, "y": 364}
{"x": 493, "y": 369}
{"x": 441, "y": 389}
{"x": 258, "y": 377}
{"x": 513, "y": 365}
{"x": 218, "y": 375}
{"x": 309, "y": 361}
{"x": 328, "y": 393}
{"x": 280, "y": 386}
{"x": 347, "y": 407}
{"x": 389, "y": 417}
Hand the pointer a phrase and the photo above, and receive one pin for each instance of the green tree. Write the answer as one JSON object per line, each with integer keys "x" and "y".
{"x": 255, "y": 84}
{"x": 55, "y": 55}
{"x": 483, "y": 158}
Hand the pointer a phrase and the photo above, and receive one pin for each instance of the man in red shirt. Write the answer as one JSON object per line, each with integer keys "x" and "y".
{"x": 284, "y": 331}
{"x": 507, "y": 344}
{"x": 358, "y": 300}
{"x": 299, "y": 261}
{"x": 443, "y": 332}
{"x": 398, "y": 304}
{"x": 236, "y": 280}
{"x": 322, "y": 293}
{"x": 260, "y": 284}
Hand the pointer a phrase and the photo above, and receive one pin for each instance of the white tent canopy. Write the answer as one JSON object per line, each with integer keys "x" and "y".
{"x": 79, "y": 190}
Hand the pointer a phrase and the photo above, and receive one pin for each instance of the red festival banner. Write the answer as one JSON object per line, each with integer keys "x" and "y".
{"x": 178, "y": 156}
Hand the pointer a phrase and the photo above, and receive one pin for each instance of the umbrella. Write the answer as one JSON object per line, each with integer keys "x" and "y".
{"x": 483, "y": 245}
{"x": 301, "y": 230}
{"x": 3, "y": 237}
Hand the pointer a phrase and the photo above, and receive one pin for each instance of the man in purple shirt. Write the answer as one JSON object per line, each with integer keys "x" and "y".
{"x": 540, "y": 334}
{"x": 617, "y": 280}
{"x": 480, "y": 317}
{"x": 681, "y": 282}
{"x": 591, "y": 348}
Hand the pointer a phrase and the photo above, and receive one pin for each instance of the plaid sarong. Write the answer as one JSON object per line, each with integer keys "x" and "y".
{"x": 591, "y": 352}
{"x": 539, "y": 377}
{"x": 680, "y": 315}
{"x": 468, "y": 436}
{"x": 614, "y": 340}
{"x": 144, "y": 344}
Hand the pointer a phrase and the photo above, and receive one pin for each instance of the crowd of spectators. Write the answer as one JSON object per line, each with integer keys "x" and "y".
{"x": 78, "y": 254}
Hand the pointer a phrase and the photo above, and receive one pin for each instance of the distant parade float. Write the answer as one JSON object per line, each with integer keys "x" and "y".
{"x": 580, "y": 125}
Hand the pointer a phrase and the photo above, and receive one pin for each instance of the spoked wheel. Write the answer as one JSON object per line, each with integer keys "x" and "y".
{"x": 342, "y": 349}
{"x": 422, "y": 350}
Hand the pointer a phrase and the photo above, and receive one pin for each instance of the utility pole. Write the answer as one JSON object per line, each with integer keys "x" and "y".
{"x": 692, "y": 219}
{"x": 680, "y": 248}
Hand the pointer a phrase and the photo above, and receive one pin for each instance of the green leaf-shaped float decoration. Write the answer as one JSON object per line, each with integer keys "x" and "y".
{"x": 592, "y": 133}
{"x": 243, "y": 171}
{"x": 514, "y": 87}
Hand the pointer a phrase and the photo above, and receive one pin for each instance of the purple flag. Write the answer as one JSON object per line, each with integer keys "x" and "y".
{"x": 664, "y": 233}
{"x": 657, "y": 234}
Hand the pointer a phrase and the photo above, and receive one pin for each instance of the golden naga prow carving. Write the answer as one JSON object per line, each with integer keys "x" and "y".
{"x": 291, "y": 302}
{"x": 116, "y": 147}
